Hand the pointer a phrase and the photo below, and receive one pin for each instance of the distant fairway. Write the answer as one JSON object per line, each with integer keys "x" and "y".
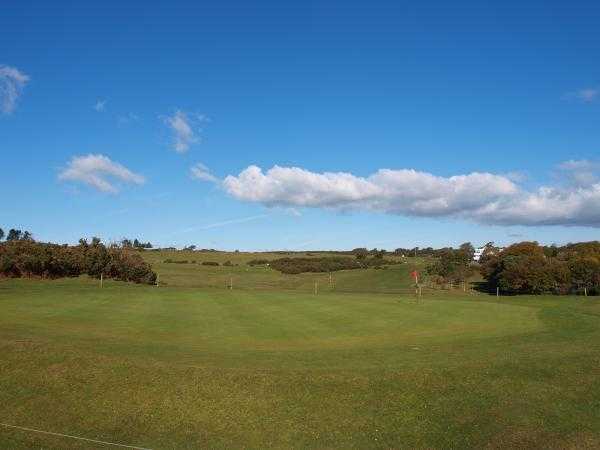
{"x": 394, "y": 278}
{"x": 278, "y": 367}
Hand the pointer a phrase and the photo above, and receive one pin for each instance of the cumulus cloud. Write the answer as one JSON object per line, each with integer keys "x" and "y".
{"x": 12, "y": 82}
{"x": 586, "y": 95}
{"x": 581, "y": 172}
{"x": 100, "y": 105}
{"x": 201, "y": 172}
{"x": 185, "y": 129}
{"x": 481, "y": 197}
{"x": 99, "y": 172}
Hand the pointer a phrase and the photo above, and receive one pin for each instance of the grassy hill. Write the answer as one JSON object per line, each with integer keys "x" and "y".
{"x": 394, "y": 278}
{"x": 191, "y": 364}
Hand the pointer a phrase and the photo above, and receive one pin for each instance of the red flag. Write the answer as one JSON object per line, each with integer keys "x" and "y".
{"x": 414, "y": 274}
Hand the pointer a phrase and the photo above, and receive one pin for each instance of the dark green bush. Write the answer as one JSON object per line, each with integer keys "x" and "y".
{"x": 24, "y": 258}
{"x": 258, "y": 262}
{"x": 316, "y": 265}
{"x": 527, "y": 268}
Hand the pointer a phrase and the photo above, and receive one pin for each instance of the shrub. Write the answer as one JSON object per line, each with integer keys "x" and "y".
{"x": 210, "y": 263}
{"x": 258, "y": 262}
{"x": 21, "y": 258}
{"x": 585, "y": 274}
{"x": 524, "y": 268}
{"x": 452, "y": 265}
{"x": 324, "y": 264}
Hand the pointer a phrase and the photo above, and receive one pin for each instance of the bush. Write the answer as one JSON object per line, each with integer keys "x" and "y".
{"x": 37, "y": 259}
{"x": 315, "y": 265}
{"x": 210, "y": 263}
{"x": 453, "y": 266}
{"x": 585, "y": 274}
{"x": 258, "y": 262}
{"x": 525, "y": 268}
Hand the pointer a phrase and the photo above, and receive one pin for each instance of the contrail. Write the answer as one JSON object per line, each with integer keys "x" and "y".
{"x": 221, "y": 224}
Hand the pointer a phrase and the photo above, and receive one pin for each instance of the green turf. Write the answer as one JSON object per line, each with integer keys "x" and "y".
{"x": 278, "y": 367}
{"x": 394, "y": 278}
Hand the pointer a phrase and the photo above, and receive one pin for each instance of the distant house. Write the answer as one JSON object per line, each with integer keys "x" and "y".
{"x": 478, "y": 253}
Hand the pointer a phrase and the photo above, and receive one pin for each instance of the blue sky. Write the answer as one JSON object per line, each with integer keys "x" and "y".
{"x": 105, "y": 109}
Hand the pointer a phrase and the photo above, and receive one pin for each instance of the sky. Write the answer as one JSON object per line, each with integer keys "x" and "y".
{"x": 301, "y": 125}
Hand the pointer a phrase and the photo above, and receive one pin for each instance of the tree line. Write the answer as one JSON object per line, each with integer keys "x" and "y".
{"x": 529, "y": 268}
{"x": 525, "y": 268}
{"x": 28, "y": 258}
{"x": 16, "y": 235}
{"x": 323, "y": 264}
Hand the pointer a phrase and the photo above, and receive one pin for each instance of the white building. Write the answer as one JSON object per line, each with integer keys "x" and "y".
{"x": 487, "y": 247}
{"x": 478, "y": 253}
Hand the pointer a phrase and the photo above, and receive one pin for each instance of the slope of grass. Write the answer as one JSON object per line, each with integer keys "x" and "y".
{"x": 180, "y": 367}
{"x": 395, "y": 278}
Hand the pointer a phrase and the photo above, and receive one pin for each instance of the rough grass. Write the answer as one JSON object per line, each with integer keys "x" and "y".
{"x": 394, "y": 278}
{"x": 277, "y": 367}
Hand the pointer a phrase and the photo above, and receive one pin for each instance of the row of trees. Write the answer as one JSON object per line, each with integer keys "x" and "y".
{"x": 524, "y": 268}
{"x": 324, "y": 263}
{"x": 423, "y": 252}
{"x": 20, "y": 235}
{"x": 27, "y": 258}
{"x": 529, "y": 268}
{"x": 16, "y": 235}
{"x": 128, "y": 243}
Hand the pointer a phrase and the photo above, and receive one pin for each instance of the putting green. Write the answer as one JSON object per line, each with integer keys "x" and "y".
{"x": 195, "y": 324}
{"x": 180, "y": 367}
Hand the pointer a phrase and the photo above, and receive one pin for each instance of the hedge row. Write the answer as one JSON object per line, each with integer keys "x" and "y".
{"x": 26, "y": 258}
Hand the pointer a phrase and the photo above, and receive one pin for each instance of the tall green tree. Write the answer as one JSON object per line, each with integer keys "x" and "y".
{"x": 452, "y": 265}
{"x": 14, "y": 235}
{"x": 1, "y": 234}
{"x": 524, "y": 268}
{"x": 468, "y": 249}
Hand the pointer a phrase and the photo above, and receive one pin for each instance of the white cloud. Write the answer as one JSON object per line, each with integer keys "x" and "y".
{"x": 12, "y": 82}
{"x": 99, "y": 172}
{"x": 100, "y": 105}
{"x": 481, "y": 197}
{"x": 185, "y": 129}
{"x": 586, "y": 95}
{"x": 201, "y": 172}
{"x": 581, "y": 172}
{"x": 127, "y": 119}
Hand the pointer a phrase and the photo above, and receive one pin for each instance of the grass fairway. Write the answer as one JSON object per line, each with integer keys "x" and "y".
{"x": 182, "y": 367}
